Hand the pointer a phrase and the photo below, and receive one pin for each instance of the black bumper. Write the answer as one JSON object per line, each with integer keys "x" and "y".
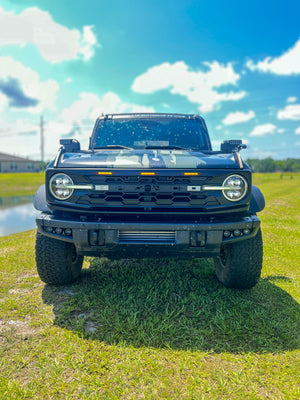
{"x": 147, "y": 239}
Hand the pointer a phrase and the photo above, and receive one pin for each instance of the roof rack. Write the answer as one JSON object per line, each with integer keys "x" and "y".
{"x": 149, "y": 115}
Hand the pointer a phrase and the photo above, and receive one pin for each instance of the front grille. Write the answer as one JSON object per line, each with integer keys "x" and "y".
{"x": 137, "y": 191}
{"x": 166, "y": 237}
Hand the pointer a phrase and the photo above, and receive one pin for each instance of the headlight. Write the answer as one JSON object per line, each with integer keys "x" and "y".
{"x": 236, "y": 188}
{"x": 60, "y": 186}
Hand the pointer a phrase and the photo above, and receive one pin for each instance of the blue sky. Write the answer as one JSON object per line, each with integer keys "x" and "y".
{"x": 235, "y": 63}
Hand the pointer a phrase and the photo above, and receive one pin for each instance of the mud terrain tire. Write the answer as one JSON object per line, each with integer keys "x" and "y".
{"x": 57, "y": 261}
{"x": 239, "y": 264}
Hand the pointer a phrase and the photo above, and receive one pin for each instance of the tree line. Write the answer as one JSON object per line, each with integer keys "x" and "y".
{"x": 270, "y": 165}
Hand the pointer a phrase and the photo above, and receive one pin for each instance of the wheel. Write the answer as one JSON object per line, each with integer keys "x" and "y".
{"x": 239, "y": 264}
{"x": 57, "y": 262}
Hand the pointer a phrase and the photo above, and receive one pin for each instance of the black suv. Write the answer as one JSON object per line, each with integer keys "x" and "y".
{"x": 149, "y": 186}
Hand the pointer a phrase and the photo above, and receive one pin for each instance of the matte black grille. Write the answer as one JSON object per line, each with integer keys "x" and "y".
{"x": 139, "y": 191}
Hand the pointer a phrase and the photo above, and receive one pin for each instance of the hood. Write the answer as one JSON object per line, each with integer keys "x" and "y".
{"x": 146, "y": 159}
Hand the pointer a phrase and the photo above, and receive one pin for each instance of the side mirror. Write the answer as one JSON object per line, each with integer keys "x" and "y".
{"x": 70, "y": 145}
{"x": 231, "y": 146}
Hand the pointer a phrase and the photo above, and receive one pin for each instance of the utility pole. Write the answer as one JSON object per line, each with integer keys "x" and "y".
{"x": 42, "y": 140}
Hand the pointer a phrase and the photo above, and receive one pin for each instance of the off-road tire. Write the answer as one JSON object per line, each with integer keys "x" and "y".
{"x": 239, "y": 264}
{"x": 57, "y": 261}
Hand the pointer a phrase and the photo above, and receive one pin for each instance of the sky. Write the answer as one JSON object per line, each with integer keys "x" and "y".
{"x": 235, "y": 63}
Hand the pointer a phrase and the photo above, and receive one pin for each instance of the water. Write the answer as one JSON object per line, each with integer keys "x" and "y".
{"x": 17, "y": 214}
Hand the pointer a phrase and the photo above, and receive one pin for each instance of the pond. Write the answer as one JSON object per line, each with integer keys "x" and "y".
{"x": 17, "y": 214}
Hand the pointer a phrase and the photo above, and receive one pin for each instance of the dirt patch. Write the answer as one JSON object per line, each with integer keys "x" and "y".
{"x": 21, "y": 328}
{"x": 19, "y": 291}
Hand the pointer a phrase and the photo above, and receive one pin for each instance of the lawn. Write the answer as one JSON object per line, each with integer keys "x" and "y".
{"x": 20, "y": 184}
{"x": 156, "y": 329}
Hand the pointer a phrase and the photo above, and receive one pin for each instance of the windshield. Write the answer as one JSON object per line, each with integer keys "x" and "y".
{"x": 151, "y": 133}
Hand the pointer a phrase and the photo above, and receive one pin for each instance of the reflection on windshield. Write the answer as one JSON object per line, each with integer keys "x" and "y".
{"x": 141, "y": 133}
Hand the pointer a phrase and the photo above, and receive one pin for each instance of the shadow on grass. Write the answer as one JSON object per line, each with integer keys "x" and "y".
{"x": 175, "y": 304}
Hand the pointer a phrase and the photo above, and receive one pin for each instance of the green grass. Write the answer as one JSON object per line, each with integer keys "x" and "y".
{"x": 156, "y": 329}
{"x": 20, "y": 184}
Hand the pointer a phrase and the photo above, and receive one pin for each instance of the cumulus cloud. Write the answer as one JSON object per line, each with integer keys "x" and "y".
{"x": 89, "y": 106}
{"x": 20, "y": 136}
{"x": 21, "y": 84}
{"x": 197, "y": 86}
{"x": 297, "y": 131}
{"x": 238, "y": 117}
{"x": 262, "y": 130}
{"x": 55, "y": 42}
{"x": 291, "y": 111}
{"x": 286, "y": 64}
{"x": 291, "y": 99}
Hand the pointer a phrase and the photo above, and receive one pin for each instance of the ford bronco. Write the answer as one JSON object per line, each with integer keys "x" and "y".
{"x": 149, "y": 185}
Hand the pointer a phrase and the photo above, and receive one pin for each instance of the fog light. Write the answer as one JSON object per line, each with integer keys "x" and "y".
{"x": 58, "y": 231}
{"x": 48, "y": 229}
{"x": 236, "y": 232}
{"x": 227, "y": 234}
{"x": 246, "y": 231}
{"x": 68, "y": 232}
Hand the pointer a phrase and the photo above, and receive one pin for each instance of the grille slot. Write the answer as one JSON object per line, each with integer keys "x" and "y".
{"x": 166, "y": 237}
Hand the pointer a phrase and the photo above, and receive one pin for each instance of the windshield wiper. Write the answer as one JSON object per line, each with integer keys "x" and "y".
{"x": 113, "y": 146}
{"x": 164, "y": 148}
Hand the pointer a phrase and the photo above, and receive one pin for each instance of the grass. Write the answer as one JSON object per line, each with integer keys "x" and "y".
{"x": 20, "y": 184}
{"x": 156, "y": 329}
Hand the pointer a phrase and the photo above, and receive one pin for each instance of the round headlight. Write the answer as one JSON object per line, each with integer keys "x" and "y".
{"x": 235, "y": 188}
{"x": 59, "y": 186}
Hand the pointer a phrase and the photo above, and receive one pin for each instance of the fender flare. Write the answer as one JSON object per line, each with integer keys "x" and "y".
{"x": 257, "y": 202}
{"x": 39, "y": 201}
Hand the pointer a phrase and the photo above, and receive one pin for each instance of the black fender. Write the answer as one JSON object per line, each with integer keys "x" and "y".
{"x": 257, "y": 202}
{"x": 39, "y": 201}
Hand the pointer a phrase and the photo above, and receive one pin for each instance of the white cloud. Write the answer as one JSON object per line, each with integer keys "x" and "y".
{"x": 55, "y": 42}
{"x": 197, "y": 86}
{"x": 286, "y": 64}
{"x": 262, "y": 130}
{"x": 255, "y": 152}
{"x": 45, "y": 92}
{"x": 20, "y": 137}
{"x": 90, "y": 106}
{"x": 3, "y": 101}
{"x": 238, "y": 117}
{"x": 297, "y": 131}
{"x": 291, "y": 99}
{"x": 291, "y": 111}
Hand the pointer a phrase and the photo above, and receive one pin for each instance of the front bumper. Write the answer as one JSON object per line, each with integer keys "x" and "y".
{"x": 146, "y": 239}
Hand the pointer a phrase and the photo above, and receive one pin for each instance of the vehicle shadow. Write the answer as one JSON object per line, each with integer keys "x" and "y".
{"x": 175, "y": 304}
